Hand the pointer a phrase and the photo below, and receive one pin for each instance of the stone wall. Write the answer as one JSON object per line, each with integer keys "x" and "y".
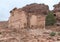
{"x": 18, "y": 19}
{"x": 37, "y": 21}
{"x": 29, "y": 16}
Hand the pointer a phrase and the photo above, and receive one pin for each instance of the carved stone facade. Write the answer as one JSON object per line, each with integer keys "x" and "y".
{"x": 28, "y": 16}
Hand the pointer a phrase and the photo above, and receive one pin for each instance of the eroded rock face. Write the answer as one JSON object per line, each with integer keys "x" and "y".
{"x": 57, "y": 7}
{"x": 57, "y": 12}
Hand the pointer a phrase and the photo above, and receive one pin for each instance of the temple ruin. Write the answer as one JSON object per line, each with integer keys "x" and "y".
{"x": 31, "y": 16}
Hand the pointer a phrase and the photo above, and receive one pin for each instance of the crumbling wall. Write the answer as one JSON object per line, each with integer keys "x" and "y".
{"x": 18, "y": 19}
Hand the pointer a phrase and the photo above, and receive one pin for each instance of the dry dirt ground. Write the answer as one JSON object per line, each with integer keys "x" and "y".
{"x": 27, "y": 35}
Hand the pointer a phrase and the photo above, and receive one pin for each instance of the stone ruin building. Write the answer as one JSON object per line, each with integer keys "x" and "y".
{"x": 30, "y": 16}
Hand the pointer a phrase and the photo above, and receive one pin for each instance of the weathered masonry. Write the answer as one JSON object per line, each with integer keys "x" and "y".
{"x": 28, "y": 16}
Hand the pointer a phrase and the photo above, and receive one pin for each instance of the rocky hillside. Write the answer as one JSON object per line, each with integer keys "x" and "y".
{"x": 3, "y": 24}
{"x": 27, "y": 35}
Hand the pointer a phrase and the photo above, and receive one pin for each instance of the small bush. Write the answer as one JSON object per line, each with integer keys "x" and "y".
{"x": 50, "y": 19}
{"x": 59, "y": 33}
{"x": 52, "y": 34}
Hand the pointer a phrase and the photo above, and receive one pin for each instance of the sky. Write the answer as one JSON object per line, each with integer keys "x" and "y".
{"x": 7, "y": 5}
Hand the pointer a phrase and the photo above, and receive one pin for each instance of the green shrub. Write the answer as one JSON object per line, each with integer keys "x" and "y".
{"x": 52, "y": 34}
{"x": 50, "y": 19}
